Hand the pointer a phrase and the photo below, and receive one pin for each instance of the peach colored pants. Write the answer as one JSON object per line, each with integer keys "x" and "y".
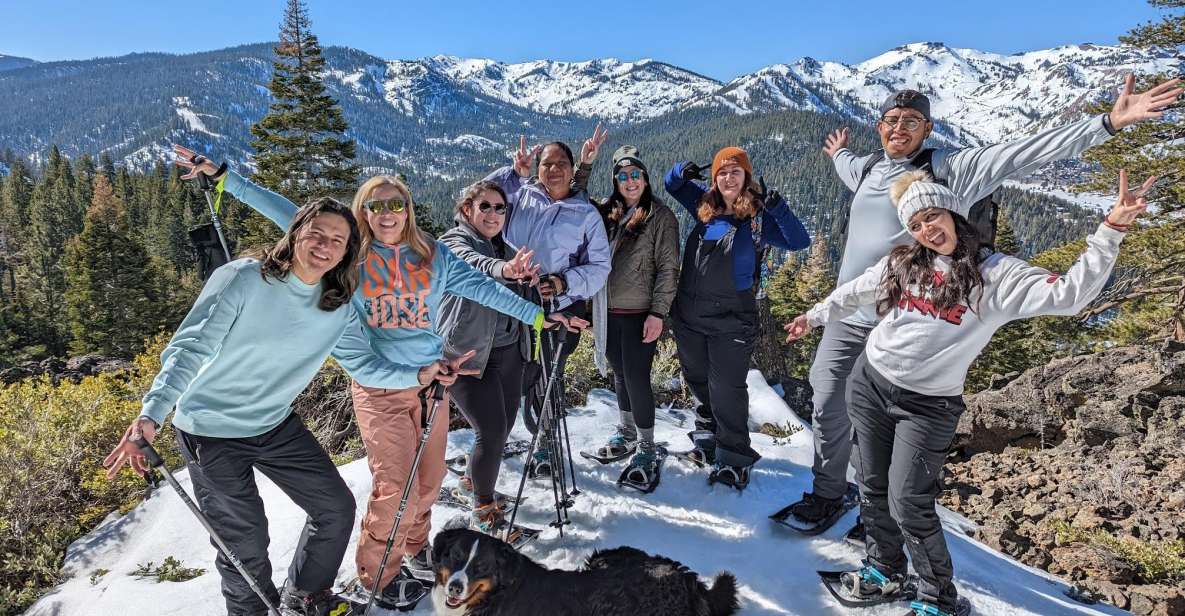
{"x": 391, "y": 426}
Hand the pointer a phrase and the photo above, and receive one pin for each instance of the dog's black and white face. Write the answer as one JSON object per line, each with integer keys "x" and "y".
{"x": 469, "y": 566}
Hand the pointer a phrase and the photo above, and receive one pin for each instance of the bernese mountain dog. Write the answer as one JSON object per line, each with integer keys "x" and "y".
{"x": 480, "y": 575}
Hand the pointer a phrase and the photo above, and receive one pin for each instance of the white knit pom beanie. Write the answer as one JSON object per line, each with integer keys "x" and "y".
{"x": 916, "y": 191}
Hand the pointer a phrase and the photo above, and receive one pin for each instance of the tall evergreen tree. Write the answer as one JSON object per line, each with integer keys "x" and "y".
{"x": 1151, "y": 276}
{"x": 1005, "y": 236}
{"x": 300, "y": 145}
{"x": 112, "y": 299}
{"x": 793, "y": 289}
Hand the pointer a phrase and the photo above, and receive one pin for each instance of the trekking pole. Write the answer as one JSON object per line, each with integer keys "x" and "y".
{"x": 564, "y": 429}
{"x": 207, "y": 188}
{"x": 554, "y": 403}
{"x": 157, "y": 463}
{"x": 531, "y": 451}
{"x": 437, "y": 394}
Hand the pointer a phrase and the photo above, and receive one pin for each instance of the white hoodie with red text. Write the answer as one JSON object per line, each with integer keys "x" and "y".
{"x": 922, "y": 349}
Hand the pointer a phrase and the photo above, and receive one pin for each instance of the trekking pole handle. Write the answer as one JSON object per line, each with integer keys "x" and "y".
{"x": 154, "y": 459}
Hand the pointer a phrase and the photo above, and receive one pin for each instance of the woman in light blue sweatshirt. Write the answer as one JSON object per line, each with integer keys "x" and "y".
{"x": 255, "y": 337}
{"x": 404, "y": 274}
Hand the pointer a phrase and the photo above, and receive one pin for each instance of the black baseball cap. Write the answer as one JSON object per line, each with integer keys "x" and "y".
{"x": 907, "y": 99}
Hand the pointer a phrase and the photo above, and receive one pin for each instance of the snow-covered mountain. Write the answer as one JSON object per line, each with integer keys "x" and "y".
{"x": 709, "y": 529}
{"x": 12, "y": 62}
{"x": 982, "y": 97}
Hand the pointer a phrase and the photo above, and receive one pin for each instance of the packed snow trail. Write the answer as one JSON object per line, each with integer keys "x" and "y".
{"x": 710, "y": 529}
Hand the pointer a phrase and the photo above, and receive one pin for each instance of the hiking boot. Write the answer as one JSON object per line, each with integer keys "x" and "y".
{"x": 421, "y": 565}
{"x": 815, "y": 510}
{"x": 868, "y": 582}
{"x": 540, "y": 463}
{"x": 294, "y": 602}
{"x": 619, "y": 445}
{"x": 857, "y": 535}
{"x": 491, "y": 520}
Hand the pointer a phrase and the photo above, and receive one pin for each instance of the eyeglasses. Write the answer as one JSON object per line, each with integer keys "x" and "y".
{"x": 632, "y": 175}
{"x": 394, "y": 204}
{"x": 486, "y": 206}
{"x": 909, "y": 123}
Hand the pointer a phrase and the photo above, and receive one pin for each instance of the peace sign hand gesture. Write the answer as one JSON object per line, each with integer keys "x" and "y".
{"x": 592, "y": 145}
{"x": 519, "y": 267}
{"x": 1130, "y": 107}
{"x": 523, "y": 158}
{"x": 1131, "y": 203}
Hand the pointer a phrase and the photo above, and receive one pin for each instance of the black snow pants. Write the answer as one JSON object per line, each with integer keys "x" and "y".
{"x": 902, "y": 438}
{"x": 223, "y": 475}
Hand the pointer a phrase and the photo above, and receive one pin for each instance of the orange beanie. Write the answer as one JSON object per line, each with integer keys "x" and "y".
{"x": 731, "y": 154}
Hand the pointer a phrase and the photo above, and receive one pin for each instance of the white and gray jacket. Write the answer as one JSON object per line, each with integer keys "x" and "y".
{"x": 972, "y": 173}
{"x": 922, "y": 349}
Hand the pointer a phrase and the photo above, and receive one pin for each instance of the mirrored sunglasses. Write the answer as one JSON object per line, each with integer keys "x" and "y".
{"x": 485, "y": 206}
{"x": 632, "y": 175}
{"x": 395, "y": 205}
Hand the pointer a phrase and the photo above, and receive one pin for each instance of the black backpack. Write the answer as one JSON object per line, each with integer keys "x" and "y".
{"x": 982, "y": 215}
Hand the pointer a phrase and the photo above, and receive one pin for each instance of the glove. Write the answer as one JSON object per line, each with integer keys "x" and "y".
{"x": 692, "y": 171}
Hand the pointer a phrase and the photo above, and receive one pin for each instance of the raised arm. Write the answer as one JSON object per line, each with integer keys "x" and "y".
{"x": 847, "y": 165}
{"x": 787, "y": 231}
{"x": 462, "y": 280}
{"x": 274, "y": 206}
{"x": 849, "y": 297}
{"x": 681, "y": 184}
{"x": 197, "y": 339}
{"x": 1029, "y": 291}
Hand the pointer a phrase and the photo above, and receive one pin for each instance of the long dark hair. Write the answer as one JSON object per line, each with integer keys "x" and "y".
{"x": 913, "y": 266}
{"x": 614, "y": 207}
{"x": 338, "y": 284}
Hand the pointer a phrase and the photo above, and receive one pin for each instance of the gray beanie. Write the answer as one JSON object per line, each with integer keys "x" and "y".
{"x": 916, "y": 191}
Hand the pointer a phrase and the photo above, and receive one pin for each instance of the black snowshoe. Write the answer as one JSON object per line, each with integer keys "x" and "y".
{"x": 729, "y": 475}
{"x": 324, "y": 603}
{"x": 539, "y": 464}
{"x": 619, "y": 447}
{"x": 402, "y": 593}
{"x": 645, "y": 469}
{"x": 460, "y": 498}
{"x": 867, "y": 586}
{"x": 459, "y": 465}
{"x": 925, "y": 608}
{"x": 421, "y": 566}
{"x": 813, "y": 515}
{"x": 703, "y": 453}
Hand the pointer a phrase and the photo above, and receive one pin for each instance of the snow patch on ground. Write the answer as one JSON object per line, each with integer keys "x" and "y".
{"x": 710, "y": 529}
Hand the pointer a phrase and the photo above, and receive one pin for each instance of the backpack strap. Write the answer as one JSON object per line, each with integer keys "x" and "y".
{"x": 925, "y": 161}
{"x": 876, "y": 157}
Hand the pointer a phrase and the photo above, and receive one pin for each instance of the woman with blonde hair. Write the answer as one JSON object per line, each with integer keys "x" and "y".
{"x": 403, "y": 275}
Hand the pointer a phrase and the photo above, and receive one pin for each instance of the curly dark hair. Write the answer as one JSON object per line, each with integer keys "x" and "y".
{"x": 338, "y": 284}
{"x": 912, "y": 266}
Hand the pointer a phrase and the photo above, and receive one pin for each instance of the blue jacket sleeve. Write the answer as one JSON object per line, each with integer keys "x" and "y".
{"x": 787, "y": 231}
{"x": 686, "y": 193}
{"x": 463, "y": 280}
{"x": 276, "y": 207}
{"x": 508, "y": 180}
{"x": 198, "y": 338}
{"x": 355, "y": 354}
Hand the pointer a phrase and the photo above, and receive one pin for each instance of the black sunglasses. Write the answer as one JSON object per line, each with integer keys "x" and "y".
{"x": 484, "y": 206}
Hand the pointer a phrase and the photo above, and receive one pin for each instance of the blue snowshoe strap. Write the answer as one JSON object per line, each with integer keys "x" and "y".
{"x": 921, "y": 608}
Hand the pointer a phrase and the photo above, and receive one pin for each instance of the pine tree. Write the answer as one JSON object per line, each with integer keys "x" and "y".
{"x": 52, "y": 222}
{"x": 1150, "y": 284}
{"x": 112, "y": 299}
{"x": 1005, "y": 237}
{"x": 300, "y": 147}
{"x": 793, "y": 290}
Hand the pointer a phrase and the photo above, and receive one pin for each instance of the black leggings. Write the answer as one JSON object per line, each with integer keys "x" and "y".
{"x": 490, "y": 404}
{"x": 631, "y": 360}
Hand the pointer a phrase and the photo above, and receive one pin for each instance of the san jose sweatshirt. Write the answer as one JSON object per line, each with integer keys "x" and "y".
{"x": 922, "y": 349}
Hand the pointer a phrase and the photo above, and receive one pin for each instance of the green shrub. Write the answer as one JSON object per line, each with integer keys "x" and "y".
{"x": 1155, "y": 562}
{"x": 172, "y": 570}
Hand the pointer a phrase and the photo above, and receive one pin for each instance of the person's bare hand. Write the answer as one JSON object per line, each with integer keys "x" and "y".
{"x": 592, "y": 145}
{"x": 1131, "y": 203}
{"x": 797, "y": 328}
{"x": 127, "y": 452}
{"x": 651, "y": 329}
{"x": 523, "y": 158}
{"x": 193, "y": 163}
{"x": 1131, "y": 107}
{"x": 835, "y": 142}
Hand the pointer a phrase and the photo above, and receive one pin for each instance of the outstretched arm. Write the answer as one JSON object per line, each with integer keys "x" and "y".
{"x": 274, "y": 206}
{"x": 682, "y": 184}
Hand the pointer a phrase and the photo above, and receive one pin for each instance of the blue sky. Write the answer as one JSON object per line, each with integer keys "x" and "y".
{"x": 718, "y": 39}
